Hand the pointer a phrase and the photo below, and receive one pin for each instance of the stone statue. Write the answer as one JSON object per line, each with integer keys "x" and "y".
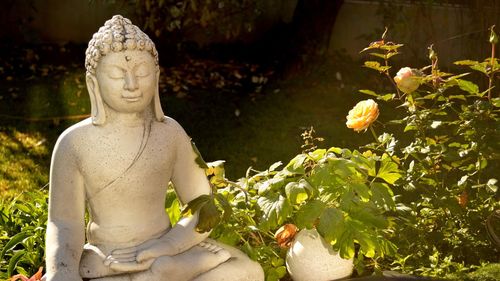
{"x": 117, "y": 166}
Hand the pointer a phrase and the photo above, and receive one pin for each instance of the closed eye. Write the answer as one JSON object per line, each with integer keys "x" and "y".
{"x": 142, "y": 70}
{"x": 115, "y": 73}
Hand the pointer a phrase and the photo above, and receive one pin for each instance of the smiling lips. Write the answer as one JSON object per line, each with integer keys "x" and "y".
{"x": 132, "y": 99}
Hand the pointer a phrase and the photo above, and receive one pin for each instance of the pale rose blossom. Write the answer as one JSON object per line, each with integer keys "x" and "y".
{"x": 362, "y": 115}
{"x": 406, "y": 80}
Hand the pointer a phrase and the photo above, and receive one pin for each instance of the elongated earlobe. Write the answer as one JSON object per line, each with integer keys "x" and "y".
{"x": 96, "y": 104}
{"x": 158, "y": 111}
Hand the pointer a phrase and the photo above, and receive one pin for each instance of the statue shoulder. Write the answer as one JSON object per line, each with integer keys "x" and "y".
{"x": 172, "y": 126}
{"x": 74, "y": 136}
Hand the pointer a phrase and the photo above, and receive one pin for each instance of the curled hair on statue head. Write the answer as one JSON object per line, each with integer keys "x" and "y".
{"x": 118, "y": 34}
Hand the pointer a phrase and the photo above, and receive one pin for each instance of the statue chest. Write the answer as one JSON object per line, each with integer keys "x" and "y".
{"x": 138, "y": 168}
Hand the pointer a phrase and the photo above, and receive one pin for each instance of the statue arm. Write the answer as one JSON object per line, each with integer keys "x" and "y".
{"x": 189, "y": 182}
{"x": 66, "y": 226}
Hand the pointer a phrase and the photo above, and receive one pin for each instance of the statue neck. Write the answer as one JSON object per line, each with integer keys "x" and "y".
{"x": 133, "y": 119}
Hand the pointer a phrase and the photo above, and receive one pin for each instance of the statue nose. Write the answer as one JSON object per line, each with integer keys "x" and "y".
{"x": 130, "y": 82}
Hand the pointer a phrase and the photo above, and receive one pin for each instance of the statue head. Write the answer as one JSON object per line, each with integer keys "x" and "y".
{"x": 121, "y": 54}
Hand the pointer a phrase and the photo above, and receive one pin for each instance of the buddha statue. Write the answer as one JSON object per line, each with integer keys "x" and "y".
{"x": 117, "y": 165}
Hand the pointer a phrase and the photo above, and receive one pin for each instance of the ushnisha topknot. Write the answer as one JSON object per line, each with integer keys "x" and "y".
{"x": 117, "y": 34}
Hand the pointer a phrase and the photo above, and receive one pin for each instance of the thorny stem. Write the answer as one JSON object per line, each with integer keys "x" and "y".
{"x": 490, "y": 76}
{"x": 390, "y": 78}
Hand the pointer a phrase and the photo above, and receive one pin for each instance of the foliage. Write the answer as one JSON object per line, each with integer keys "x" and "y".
{"x": 487, "y": 273}
{"x": 342, "y": 193}
{"x": 22, "y": 233}
{"x": 449, "y": 157}
{"x": 167, "y": 17}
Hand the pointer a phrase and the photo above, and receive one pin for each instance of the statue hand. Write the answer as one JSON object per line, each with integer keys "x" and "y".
{"x": 151, "y": 249}
{"x": 131, "y": 266}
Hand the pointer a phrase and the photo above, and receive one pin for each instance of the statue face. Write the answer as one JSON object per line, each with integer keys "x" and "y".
{"x": 127, "y": 80}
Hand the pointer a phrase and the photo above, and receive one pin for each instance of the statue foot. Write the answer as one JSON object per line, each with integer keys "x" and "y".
{"x": 186, "y": 266}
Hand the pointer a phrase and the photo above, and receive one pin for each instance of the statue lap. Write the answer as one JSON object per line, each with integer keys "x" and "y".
{"x": 189, "y": 265}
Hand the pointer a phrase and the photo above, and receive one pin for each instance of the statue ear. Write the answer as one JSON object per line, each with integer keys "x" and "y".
{"x": 96, "y": 104}
{"x": 158, "y": 111}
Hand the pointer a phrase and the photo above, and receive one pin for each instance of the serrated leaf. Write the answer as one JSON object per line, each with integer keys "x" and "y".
{"x": 296, "y": 193}
{"x": 309, "y": 213}
{"x": 361, "y": 190}
{"x": 368, "y": 244}
{"x": 466, "y": 62}
{"x": 346, "y": 245}
{"x": 331, "y": 225}
{"x": 376, "y": 65}
{"x": 275, "y": 207}
{"x": 388, "y": 171}
{"x": 382, "y": 195}
{"x": 468, "y": 86}
{"x": 368, "y": 218}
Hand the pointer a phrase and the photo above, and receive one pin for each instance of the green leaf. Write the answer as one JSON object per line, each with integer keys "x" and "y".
{"x": 346, "y": 245}
{"x": 481, "y": 67}
{"x": 317, "y": 154}
{"x": 367, "y": 242}
{"x": 199, "y": 160}
{"x": 174, "y": 211}
{"x": 14, "y": 240}
{"x": 466, "y": 62}
{"x": 298, "y": 192}
{"x": 369, "y": 92}
{"x": 387, "y": 97}
{"x": 491, "y": 184}
{"x": 273, "y": 184}
{"x": 382, "y": 195}
{"x": 275, "y": 207}
{"x": 296, "y": 165}
{"x": 368, "y": 218}
{"x": 331, "y": 225}
{"x": 13, "y": 262}
{"x": 309, "y": 213}
{"x": 388, "y": 171}
{"x": 376, "y": 65}
{"x": 361, "y": 190}
{"x": 209, "y": 215}
{"x": 468, "y": 86}
{"x": 226, "y": 206}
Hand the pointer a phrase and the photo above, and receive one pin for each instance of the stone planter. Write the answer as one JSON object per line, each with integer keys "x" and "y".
{"x": 311, "y": 258}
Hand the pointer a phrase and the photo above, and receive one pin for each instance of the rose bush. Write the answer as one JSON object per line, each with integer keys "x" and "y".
{"x": 448, "y": 155}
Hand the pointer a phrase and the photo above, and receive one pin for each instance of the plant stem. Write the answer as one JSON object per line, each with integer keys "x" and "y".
{"x": 490, "y": 76}
{"x": 374, "y": 134}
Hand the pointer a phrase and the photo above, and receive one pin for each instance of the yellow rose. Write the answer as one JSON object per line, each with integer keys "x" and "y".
{"x": 406, "y": 80}
{"x": 362, "y": 115}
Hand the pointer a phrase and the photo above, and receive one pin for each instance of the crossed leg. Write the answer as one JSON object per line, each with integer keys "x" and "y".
{"x": 184, "y": 266}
